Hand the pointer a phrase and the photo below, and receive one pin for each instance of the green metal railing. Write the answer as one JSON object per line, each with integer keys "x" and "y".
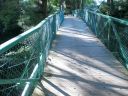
{"x": 113, "y": 32}
{"x": 22, "y": 58}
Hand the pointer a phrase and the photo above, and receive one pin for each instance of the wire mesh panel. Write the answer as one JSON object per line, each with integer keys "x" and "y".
{"x": 22, "y": 58}
{"x": 113, "y": 32}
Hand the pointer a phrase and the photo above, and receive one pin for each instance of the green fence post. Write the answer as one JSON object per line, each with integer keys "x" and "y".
{"x": 109, "y": 32}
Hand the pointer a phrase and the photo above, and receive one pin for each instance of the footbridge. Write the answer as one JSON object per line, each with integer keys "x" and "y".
{"x": 83, "y": 54}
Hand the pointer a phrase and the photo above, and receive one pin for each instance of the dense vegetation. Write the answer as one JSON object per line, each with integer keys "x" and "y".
{"x": 16, "y": 16}
{"x": 115, "y": 8}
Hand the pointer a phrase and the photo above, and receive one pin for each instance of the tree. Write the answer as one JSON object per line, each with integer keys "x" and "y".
{"x": 111, "y": 6}
{"x": 9, "y": 15}
{"x": 115, "y": 8}
{"x": 34, "y": 11}
{"x": 19, "y": 15}
{"x": 61, "y": 4}
{"x": 43, "y": 5}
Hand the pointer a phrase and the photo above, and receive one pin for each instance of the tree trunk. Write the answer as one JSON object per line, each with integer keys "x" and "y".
{"x": 111, "y": 5}
{"x": 110, "y": 2}
{"x": 82, "y": 4}
{"x": 44, "y": 7}
{"x": 61, "y": 4}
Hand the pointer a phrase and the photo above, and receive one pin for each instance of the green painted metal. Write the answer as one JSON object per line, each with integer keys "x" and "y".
{"x": 22, "y": 59}
{"x": 113, "y": 32}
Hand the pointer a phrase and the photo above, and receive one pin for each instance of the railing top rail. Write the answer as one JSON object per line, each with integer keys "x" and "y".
{"x": 110, "y": 17}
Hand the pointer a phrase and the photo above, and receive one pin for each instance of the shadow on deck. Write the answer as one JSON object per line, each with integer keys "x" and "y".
{"x": 80, "y": 65}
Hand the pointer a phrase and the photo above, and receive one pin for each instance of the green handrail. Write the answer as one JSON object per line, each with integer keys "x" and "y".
{"x": 22, "y": 59}
{"x": 113, "y": 32}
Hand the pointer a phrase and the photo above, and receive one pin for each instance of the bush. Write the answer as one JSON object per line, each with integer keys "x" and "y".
{"x": 9, "y": 15}
{"x": 119, "y": 11}
{"x": 104, "y": 8}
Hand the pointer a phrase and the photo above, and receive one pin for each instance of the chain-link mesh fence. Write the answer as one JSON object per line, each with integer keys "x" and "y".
{"x": 22, "y": 58}
{"x": 113, "y": 32}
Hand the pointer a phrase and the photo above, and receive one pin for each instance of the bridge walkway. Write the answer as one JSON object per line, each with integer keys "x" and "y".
{"x": 80, "y": 65}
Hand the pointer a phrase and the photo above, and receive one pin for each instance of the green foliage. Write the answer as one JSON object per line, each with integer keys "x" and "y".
{"x": 17, "y": 16}
{"x": 30, "y": 15}
{"x": 72, "y": 5}
{"x": 104, "y": 8}
{"x": 53, "y": 5}
{"x": 88, "y": 2}
{"x": 32, "y": 12}
{"x": 9, "y": 14}
{"x": 119, "y": 9}
{"x": 54, "y": 2}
